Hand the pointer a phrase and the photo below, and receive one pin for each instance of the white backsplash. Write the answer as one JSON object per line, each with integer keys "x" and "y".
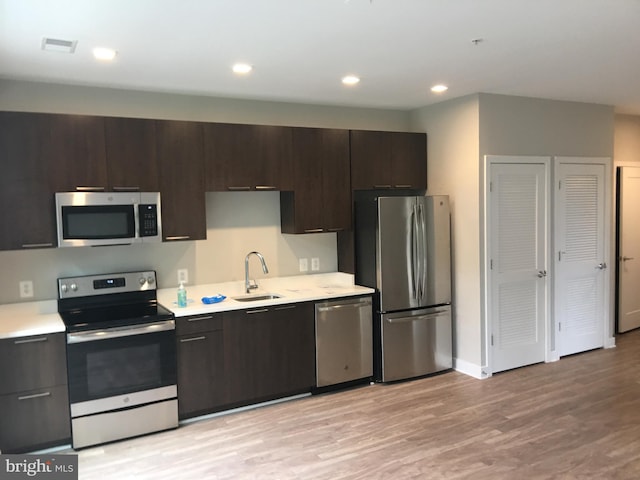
{"x": 237, "y": 223}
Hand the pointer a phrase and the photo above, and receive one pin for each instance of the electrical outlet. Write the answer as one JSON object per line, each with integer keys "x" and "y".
{"x": 315, "y": 264}
{"x": 183, "y": 275}
{"x": 304, "y": 265}
{"x": 26, "y": 289}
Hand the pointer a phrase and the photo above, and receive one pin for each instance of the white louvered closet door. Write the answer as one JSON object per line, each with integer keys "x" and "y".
{"x": 517, "y": 245}
{"x": 580, "y": 257}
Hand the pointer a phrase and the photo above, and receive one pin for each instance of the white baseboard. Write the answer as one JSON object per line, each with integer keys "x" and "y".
{"x": 471, "y": 369}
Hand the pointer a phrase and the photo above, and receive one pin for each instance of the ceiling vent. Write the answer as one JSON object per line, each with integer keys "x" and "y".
{"x": 57, "y": 45}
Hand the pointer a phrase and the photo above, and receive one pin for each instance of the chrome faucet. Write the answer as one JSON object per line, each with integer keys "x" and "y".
{"x": 247, "y": 283}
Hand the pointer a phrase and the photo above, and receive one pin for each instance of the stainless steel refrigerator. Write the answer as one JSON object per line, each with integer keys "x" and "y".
{"x": 403, "y": 250}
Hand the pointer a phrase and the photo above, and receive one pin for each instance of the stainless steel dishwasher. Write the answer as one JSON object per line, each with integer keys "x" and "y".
{"x": 344, "y": 343}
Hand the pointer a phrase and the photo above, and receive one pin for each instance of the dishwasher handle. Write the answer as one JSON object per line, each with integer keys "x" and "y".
{"x": 329, "y": 307}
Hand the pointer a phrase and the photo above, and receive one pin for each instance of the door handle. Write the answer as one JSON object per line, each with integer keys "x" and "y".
{"x": 624, "y": 259}
{"x": 542, "y": 273}
{"x": 601, "y": 266}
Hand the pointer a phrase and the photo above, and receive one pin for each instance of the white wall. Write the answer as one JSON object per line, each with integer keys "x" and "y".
{"x": 626, "y": 146}
{"x": 453, "y": 169}
{"x": 236, "y": 222}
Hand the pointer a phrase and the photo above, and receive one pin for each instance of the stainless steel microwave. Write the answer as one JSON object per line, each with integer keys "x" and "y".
{"x": 108, "y": 218}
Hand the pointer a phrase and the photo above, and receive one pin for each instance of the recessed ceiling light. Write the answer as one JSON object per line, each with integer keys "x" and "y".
{"x": 350, "y": 80}
{"x": 242, "y": 68}
{"x": 439, "y": 88}
{"x": 105, "y": 54}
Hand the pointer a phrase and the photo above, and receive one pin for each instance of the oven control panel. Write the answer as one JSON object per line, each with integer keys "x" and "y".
{"x": 88, "y": 285}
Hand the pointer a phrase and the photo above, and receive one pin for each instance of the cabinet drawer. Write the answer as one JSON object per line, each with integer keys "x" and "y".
{"x": 198, "y": 323}
{"x": 29, "y": 363}
{"x": 34, "y": 419}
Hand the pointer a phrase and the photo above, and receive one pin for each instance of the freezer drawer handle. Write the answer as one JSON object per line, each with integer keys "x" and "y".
{"x": 35, "y": 395}
{"x": 416, "y": 318}
{"x": 345, "y": 305}
{"x": 30, "y": 340}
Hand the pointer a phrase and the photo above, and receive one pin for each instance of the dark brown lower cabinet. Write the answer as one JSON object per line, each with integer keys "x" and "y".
{"x": 269, "y": 352}
{"x": 34, "y": 401}
{"x": 201, "y": 386}
{"x": 34, "y": 420}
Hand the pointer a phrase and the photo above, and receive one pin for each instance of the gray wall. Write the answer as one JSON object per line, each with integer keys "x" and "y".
{"x": 236, "y": 222}
{"x": 461, "y": 132}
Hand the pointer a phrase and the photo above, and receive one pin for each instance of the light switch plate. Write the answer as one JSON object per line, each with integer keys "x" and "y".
{"x": 315, "y": 264}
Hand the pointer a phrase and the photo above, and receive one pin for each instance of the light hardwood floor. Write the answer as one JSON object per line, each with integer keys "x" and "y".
{"x": 578, "y": 418}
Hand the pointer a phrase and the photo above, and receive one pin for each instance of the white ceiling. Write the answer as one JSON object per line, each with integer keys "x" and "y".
{"x": 580, "y": 50}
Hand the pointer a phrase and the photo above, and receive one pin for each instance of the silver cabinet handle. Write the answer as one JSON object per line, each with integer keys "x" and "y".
{"x": 192, "y": 339}
{"x": 265, "y": 187}
{"x": 382, "y": 186}
{"x": 90, "y": 189}
{"x": 37, "y": 245}
{"x": 601, "y": 266}
{"x": 335, "y": 229}
{"x": 239, "y": 189}
{"x": 177, "y": 237}
{"x": 285, "y": 307}
{"x": 402, "y": 186}
{"x": 35, "y": 395}
{"x": 624, "y": 259}
{"x": 198, "y": 319}
{"x": 261, "y": 310}
{"x": 31, "y": 340}
{"x": 126, "y": 189}
{"x": 314, "y": 230}
{"x": 542, "y": 273}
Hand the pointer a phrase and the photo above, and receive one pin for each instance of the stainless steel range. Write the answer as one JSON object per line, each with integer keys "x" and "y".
{"x": 121, "y": 357}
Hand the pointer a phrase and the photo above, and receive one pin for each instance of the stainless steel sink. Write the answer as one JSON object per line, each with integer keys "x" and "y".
{"x": 256, "y": 298}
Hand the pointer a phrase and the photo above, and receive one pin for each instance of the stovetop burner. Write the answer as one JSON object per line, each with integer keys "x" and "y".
{"x": 97, "y": 302}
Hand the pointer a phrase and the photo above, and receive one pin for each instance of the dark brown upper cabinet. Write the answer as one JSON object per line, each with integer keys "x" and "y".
{"x": 321, "y": 196}
{"x": 181, "y": 175}
{"x": 247, "y": 157}
{"x": 386, "y": 160}
{"x": 131, "y": 154}
{"x": 74, "y": 147}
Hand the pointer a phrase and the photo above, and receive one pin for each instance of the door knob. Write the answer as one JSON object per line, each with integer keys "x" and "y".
{"x": 601, "y": 266}
{"x": 624, "y": 259}
{"x": 542, "y": 273}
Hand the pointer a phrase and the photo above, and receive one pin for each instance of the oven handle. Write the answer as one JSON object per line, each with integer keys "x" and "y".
{"x": 94, "y": 335}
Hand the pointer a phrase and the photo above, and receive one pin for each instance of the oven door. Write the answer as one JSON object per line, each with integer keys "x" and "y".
{"x": 121, "y": 367}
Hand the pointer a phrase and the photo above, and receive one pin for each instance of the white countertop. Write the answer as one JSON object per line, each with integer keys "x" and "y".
{"x": 299, "y": 288}
{"x": 31, "y": 318}
{"x": 40, "y": 318}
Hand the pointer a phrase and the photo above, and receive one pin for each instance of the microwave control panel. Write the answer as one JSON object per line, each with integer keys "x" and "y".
{"x": 148, "y": 215}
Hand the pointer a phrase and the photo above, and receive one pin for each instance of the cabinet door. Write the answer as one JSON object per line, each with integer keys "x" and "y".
{"x": 131, "y": 154}
{"x": 201, "y": 385}
{"x": 34, "y": 420}
{"x": 381, "y": 160}
{"x": 269, "y": 353}
{"x": 321, "y": 197}
{"x": 247, "y": 157}
{"x": 29, "y": 363}
{"x": 409, "y": 154}
{"x": 74, "y": 149}
{"x": 370, "y": 160}
{"x": 181, "y": 164}
{"x": 27, "y": 206}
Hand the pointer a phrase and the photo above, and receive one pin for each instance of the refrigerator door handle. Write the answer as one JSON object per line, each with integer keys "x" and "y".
{"x": 414, "y": 253}
{"x": 423, "y": 253}
{"x": 415, "y": 318}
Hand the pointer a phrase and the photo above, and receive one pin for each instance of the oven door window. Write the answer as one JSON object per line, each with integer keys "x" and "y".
{"x": 98, "y": 222}
{"x": 118, "y": 366}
